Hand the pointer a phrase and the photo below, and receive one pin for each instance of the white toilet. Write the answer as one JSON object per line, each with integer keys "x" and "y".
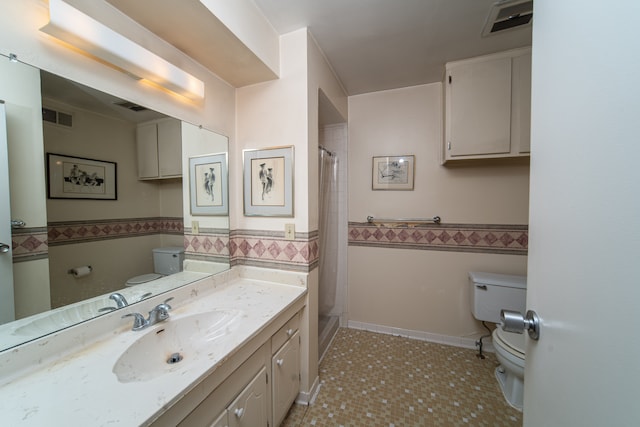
{"x": 166, "y": 261}
{"x": 491, "y": 293}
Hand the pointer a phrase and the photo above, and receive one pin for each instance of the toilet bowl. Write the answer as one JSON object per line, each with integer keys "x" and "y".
{"x": 509, "y": 348}
{"x": 143, "y": 278}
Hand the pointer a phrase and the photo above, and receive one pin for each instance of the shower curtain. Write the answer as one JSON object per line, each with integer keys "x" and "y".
{"x": 328, "y": 232}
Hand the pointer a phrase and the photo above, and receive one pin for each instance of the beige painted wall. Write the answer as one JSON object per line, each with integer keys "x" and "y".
{"x": 97, "y": 136}
{"x": 285, "y": 112}
{"x": 422, "y": 290}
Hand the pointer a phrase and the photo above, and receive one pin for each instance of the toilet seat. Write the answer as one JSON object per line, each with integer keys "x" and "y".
{"x": 511, "y": 342}
{"x": 143, "y": 278}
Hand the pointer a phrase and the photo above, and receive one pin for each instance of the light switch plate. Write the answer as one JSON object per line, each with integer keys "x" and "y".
{"x": 195, "y": 227}
{"x": 289, "y": 232}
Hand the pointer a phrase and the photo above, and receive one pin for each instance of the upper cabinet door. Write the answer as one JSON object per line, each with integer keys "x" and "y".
{"x": 521, "y": 119}
{"x": 147, "y": 150}
{"x": 169, "y": 148}
{"x": 480, "y": 108}
{"x": 488, "y": 106}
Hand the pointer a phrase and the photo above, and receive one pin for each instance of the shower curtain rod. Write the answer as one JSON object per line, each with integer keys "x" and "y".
{"x": 331, "y": 153}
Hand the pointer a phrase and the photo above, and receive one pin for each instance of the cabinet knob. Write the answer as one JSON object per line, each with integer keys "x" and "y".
{"x": 279, "y": 362}
{"x": 239, "y": 412}
{"x": 289, "y": 332}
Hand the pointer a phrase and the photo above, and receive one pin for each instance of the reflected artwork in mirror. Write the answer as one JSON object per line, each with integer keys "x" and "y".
{"x": 115, "y": 237}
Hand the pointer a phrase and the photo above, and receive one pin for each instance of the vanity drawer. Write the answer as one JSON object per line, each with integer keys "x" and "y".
{"x": 284, "y": 333}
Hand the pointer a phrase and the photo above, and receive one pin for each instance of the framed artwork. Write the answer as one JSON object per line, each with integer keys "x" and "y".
{"x": 208, "y": 184}
{"x": 79, "y": 178}
{"x": 268, "y": 182}
{"x": 393, "y": 172}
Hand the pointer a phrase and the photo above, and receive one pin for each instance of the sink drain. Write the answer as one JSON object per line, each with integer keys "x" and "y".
{"x": 174, "y": 358}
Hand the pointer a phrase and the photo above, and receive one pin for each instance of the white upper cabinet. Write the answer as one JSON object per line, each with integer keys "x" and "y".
{"x": 159, "y": 149}
{"x": 488, "y": 106}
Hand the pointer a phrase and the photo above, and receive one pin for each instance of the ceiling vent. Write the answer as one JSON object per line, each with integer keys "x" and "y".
{"x": 57, "y": 117}
{"x": 131, "y": 106}
{"x": 507, "y": 15}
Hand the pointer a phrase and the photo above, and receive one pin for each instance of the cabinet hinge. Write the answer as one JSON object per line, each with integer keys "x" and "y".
{"x": 450, "y": 79}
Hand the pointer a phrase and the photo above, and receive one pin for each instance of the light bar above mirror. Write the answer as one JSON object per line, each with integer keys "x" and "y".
{"x": 85, "y": 33}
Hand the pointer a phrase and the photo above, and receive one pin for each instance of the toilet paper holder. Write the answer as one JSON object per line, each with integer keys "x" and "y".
{"x": 80, "y": 271}
{"x": 513, "y": 321}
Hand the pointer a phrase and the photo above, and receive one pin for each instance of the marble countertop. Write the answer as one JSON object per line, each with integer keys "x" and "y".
{"x": 68, "y": 379}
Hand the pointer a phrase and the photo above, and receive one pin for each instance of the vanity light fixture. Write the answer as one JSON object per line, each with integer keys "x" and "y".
{"x": 71, "y": 26}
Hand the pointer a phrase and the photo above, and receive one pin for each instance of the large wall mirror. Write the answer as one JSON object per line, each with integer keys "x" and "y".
{"x": 50, "y": 118}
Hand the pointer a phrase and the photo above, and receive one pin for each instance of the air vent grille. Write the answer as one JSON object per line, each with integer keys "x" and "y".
{"x": 131, "y": 106}
{"x": 57, "y": 117}
{"x": 507, "y": 15}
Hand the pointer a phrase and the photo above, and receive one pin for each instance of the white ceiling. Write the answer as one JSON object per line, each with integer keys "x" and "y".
{"x": 371, "y": 45}
{"x": 375, "y": 45}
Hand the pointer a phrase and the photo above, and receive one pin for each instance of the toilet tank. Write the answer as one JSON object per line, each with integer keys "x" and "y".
{"x": 492, "y": 292}
{"x": 168, "y": 260}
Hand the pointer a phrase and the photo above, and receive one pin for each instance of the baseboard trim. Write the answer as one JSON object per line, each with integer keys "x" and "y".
{"x": 306, "y": 398}
{"x": 423, "y": 336}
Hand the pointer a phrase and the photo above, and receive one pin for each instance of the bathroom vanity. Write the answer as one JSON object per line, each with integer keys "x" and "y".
{"x": 229, "y": 354}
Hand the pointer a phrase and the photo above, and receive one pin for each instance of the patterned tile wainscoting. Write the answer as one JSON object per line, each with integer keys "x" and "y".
{"x": 29, "y": 244}
{"x": 498, "y": 239}
{"x": 68, "y": 232}
{"x": 269, "y": 249}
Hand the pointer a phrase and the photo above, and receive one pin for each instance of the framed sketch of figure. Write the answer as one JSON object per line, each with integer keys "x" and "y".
{"x": 208, "y": 175}
{"x": 268, "y": 182}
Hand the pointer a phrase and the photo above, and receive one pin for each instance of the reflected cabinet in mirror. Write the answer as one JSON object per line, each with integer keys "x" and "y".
{"x": 98, "y": 183}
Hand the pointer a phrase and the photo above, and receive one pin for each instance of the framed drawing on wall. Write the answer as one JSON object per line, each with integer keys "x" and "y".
{"x": 268, "y": 182}
{"x": 393, "y": 172}
{"x": 208, "y": 175}
{"x": 79, "y": 178}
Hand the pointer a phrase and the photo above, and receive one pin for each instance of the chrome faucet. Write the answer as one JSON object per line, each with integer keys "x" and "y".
{"x": 120, "y": 300}
{"x": 159, "y": 313}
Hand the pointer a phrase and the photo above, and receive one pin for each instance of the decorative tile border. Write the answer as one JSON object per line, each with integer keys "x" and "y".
{"x": 62, "y": 233}
{"x": 499, "y": 239}
{"x": 29, "y": 244}
{"x": 208, "y": 245}
{"x": 271, "y": 250}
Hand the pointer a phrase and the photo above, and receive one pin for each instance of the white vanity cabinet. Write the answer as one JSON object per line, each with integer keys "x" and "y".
{"x": 242, "y": 400}
{"x": 285, "y": 368}
{"x": 488, "y": 106}
{"x": 254, "y": 388}
{"x": 159, "y": 149}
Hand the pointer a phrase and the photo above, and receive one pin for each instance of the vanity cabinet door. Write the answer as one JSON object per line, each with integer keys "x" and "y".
{"x": 285, "y": 368}
{"x": 250, "y": 408}
{"x": 221, "y": 421}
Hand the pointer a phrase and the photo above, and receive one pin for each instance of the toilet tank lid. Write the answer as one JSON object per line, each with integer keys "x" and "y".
{"x": 494, "y": 279}
{"x": 170, "y": 250}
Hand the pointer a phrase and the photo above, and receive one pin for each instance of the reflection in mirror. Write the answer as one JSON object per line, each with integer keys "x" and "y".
{"x": 95, "y": 246}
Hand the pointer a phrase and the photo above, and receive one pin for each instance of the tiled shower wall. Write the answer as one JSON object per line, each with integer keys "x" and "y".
{"x": 334, "y": 138}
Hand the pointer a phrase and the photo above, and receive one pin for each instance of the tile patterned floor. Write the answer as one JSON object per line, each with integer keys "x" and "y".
{"x": 371, "y": 379}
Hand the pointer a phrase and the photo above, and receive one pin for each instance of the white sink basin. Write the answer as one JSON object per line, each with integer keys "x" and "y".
{"x": 173, "y": 344}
